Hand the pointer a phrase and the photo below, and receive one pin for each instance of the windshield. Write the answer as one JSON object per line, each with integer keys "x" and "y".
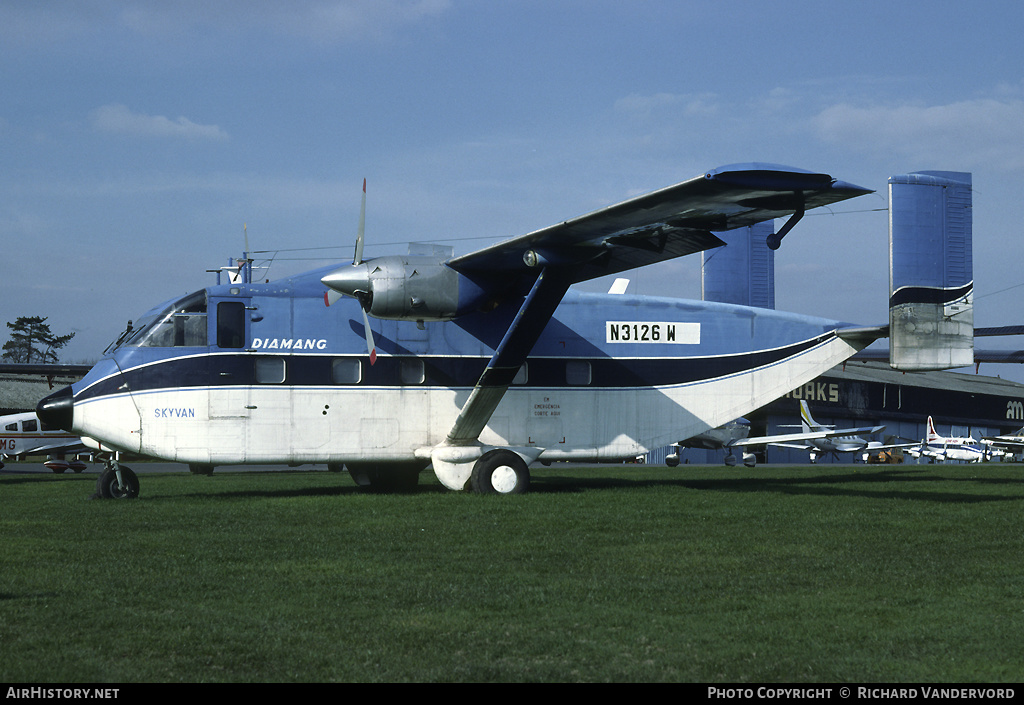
{"x": 182, "y": 324}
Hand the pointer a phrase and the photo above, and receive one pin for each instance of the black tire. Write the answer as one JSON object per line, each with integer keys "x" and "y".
{"x": 200, "y": 469}
{"x": 107, "y": 486}
{"x": 500, "y": 472}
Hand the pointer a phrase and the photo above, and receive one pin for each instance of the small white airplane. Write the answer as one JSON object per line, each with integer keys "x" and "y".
{"x": 815, "y": 437}
{"x": 734, "y": 434}
{"x": 24, "y": 434}
{"x": 822, "y": 440}
{"x": 943, "y": 448}
{"x": 1010, "y": 444}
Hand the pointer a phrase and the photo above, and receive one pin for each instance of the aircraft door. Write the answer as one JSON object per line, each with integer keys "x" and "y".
{"x": 230, "y": 386}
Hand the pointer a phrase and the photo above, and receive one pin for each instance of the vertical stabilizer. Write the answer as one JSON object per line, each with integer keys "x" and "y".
{"x": 931, "y": 281}
{"x": 742, "y": 272}
{"x": 807, "y": 422}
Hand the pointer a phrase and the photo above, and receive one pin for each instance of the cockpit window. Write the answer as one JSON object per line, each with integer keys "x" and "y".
{"x": 182, "y": 324}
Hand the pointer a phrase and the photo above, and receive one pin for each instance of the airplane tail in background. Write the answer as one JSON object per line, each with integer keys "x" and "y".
{"x": 807, "y": 422}
{"x": 932, "y": 436}
{"x": 931, "y": 281}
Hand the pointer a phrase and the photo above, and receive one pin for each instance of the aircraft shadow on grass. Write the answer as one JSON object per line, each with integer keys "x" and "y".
{"x": 837, "y": 485}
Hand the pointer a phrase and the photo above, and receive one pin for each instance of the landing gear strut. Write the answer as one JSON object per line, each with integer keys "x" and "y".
{"x": 117, "y": 482}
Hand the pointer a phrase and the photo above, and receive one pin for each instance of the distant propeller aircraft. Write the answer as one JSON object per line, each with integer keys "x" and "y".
{"x": 23, "y": 434}
{"x": 814, "y": 437}
{"x": 477, "y": 365}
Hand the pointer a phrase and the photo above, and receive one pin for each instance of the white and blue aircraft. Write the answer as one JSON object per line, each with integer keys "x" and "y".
{"x": 945, "y": 448}
{"x": 477, "y": 365}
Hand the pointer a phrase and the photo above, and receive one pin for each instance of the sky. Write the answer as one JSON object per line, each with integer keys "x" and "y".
{"x": 143, "y": 143}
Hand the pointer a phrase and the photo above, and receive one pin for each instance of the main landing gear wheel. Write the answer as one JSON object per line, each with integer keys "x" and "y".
{"x": 108, "y": 486}
{"x": 500, "y": 472}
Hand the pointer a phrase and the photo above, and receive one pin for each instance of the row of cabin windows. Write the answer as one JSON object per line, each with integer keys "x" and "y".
{"x": 273, "y": 370}
{"x": 29, "y": 426}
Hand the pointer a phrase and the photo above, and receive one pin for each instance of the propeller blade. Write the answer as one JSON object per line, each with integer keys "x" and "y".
{"x": 330, "y": 296}
{"x": 358, "y": 259}
{"x": 369, "y": 337}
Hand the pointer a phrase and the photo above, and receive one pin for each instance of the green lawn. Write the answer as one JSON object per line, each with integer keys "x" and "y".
{"x": 622, "y": 573}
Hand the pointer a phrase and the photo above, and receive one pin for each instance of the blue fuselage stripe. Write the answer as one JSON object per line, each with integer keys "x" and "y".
{"x": 239, "y": 369}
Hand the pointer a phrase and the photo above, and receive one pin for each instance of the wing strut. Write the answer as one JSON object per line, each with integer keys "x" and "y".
{"x": 775, "y": 239}
{"x": 533, "y": 316}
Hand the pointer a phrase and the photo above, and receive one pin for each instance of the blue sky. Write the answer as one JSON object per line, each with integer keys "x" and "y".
{"x": 140, "y": 141}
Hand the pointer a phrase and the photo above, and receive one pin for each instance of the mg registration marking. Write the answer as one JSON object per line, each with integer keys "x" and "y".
{"x": 671, "y": 332}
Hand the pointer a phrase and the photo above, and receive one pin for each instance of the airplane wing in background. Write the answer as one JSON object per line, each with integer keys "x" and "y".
{"x": 791, "y": 440}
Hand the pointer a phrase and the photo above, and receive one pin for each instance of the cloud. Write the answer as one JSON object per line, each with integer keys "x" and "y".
{"x": 981, "y": 133}
{"x": 645, "y": 106}
{"x": 118, "y": 119}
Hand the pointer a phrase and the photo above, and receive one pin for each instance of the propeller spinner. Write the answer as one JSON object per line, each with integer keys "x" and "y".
{"x": 354, "y": 281}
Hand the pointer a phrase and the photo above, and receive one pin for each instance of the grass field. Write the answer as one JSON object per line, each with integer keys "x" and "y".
{"x": 626, "y": 573}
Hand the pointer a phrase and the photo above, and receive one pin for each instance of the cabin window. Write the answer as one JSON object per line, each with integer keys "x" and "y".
{"x": 11, "y": 427}
{"x": 346, "y": 370}
{"x": 182, "y": 324}
{"x": 522, "y": 375}
{"x": 270, "y": 370}
{"x": 411, "y": 371}
{"x": 230, "y": 324}
{"x": 577, "y": 373}
{"x": 29, "y": 425}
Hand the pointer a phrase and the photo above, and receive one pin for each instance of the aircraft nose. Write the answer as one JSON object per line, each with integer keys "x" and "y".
{"x": 58, "y": 409}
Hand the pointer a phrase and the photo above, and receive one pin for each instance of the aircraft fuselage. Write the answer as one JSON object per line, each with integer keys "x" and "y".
{"x": 265, "y": 373}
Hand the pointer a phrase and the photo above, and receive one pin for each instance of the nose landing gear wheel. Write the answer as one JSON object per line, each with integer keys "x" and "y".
{"x": 108, "y": 486}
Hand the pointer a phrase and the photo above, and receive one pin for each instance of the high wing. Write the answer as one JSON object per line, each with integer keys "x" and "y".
{"x": 1010, "y": 440}
{"x": 792, "y": 438}
{"x": 662, "y": 225}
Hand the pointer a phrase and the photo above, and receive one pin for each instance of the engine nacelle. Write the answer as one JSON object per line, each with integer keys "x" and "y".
{"x": 408, "y": 287}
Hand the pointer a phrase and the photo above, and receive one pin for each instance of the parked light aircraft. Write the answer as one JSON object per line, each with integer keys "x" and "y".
{"x": 943, "y": 448}
{"x": 822, "y": 440}
{"x": 23, "y": 434}
{"x": 1010, "y": 444}
{"x": 734, "y": 434}
{"x": 477, "y": 365}
{"x": 813, "y": 436}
